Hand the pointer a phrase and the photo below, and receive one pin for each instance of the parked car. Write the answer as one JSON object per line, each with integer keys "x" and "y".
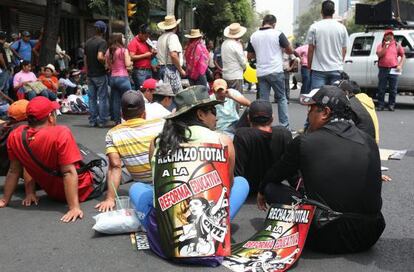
{"x": 361, "y": 61}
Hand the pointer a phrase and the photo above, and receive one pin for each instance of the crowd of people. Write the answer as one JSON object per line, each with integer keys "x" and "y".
{"x": 335, "y": 161}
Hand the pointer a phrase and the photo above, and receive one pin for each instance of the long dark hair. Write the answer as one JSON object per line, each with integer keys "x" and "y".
{"x": 174, "y": 131}
{"x": 115, "y": 42}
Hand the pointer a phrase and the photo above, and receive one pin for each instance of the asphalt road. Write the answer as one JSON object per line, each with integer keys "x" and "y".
{"x": 33, "y": 239}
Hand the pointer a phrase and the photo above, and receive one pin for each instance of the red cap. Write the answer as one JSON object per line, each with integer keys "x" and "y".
{"x": 149, "y": 84}
{"x": 388, "y": 31}
{"x": 40, "y": 107}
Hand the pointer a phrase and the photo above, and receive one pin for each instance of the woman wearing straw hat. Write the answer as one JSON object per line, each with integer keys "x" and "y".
{"x": 234, "y": 62}
{"x": 196, "y": 58}
{"x": 169, "y": 50}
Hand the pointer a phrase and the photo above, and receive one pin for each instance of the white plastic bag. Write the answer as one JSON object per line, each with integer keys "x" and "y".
{"x": 116, "y": 222}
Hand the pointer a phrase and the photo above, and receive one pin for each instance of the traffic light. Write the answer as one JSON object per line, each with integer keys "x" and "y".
{"x": 132, "y": 9}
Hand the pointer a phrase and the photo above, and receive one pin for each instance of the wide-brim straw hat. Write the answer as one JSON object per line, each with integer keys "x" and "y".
{"x": 194, "y": 33}
{"x": 51, "y": 67}
{"x": 190, "y": 98}
{"x": 169, "y": 22}
{"x": 234, "y": 31}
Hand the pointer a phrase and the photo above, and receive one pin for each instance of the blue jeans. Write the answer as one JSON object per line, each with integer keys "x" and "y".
{"x": 318, "y": 78}
{"x": 201, "y": 80}
{"x": 304, "y": 71}
{"x": 4, "y": 82}
{"x": 139, "y": 76}
{"x": 276, "y": 81}
{"x": 384, "y": 79}
{"x": 46, "y": 93}
{"x": 98, "y": 100}
{"x": 119, "y": 85}
{"x": 142, "y": 197}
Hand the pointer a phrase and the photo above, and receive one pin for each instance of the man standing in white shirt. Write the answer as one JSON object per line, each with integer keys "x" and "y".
{"x": 327, "y": 41}
{"x": 232, "y": 54}
{"x": 267, "y": 46}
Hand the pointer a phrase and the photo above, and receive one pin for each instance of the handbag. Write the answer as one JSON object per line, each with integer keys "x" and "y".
{"x": 171, "y": 75}
{"x": 36, "y": 86}
{"x": 89, "y": 161}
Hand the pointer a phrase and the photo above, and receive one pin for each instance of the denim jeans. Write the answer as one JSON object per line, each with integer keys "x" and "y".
{"x": 304, "y": 71}
{"x": 4, "y": 82}
{"x": 142, "y": 198}
{"x": 318, "y": 78}
{"x": 119, "y": 85}
{"x": 287, "y": 84}
{"x": 201, "y": 80}
{"x": 46, "y": 93}
{"x": 276, "y": 81}
{"x": 139, "y": 76}
{"x": 385, "y": 79}
{"x": 98, "y": 100}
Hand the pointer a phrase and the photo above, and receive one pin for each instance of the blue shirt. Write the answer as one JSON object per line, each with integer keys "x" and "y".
{"x": 25, "y": 50}
{"x": 227, "y": 112}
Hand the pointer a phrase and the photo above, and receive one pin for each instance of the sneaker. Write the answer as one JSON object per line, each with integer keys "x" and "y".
{"x": 108, "y": 124}
{"x": 93, "y": 124}
{"x": 379, "y": 108}
{"x": 391, "y": 108}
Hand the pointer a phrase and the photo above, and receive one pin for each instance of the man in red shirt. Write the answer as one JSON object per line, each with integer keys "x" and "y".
{"x": 389, "y": 67}
{"x": 55, "y": 148}
{"x": 141, "y": 54}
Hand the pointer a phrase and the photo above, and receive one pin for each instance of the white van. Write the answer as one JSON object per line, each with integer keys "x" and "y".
{"x": 361, "y": 61}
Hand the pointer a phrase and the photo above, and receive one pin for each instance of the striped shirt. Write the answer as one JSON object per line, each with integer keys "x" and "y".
{"x": 131, "y": 140}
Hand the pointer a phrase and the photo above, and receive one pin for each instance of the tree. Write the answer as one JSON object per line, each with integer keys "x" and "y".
{"x": 304, "y": 21}
{"x": 51, "y": 32}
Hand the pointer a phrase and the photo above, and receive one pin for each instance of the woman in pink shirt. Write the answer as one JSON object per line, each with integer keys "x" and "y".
{"x": 118, "y": 62}
{"x": 24, "y": 76}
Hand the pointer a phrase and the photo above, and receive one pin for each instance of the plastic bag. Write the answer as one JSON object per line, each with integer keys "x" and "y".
{"x": 116, "y": 222}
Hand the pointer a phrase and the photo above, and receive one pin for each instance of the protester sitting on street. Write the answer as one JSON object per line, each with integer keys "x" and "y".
{"x": 129, "y": 143}
{"x": 118, "y": 62}
{"x": 227, "y": 115}
{"x": 153, "y": 111}
{"x": 163, "y": 98}
{"x": 51, "y": 156}
{"x": 259, "y": 146}
{"x": 21, "y": 78}
{"x": 340, "y": 166}
{"x": 363, "y": 119}
{"x": 148, "y": 89}
{"x": 73, "y": 84}
{"x": 193, "y": 122}
{"x": 49, "y": 79}
{"x": 196, "y": 58}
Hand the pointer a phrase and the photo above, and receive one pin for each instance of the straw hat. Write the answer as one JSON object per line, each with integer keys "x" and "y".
{"x": 168, "y": 23}
{"x": 194, "y": 33}
{"x": 51, "y": 67}
{"x": 234, "y": 31}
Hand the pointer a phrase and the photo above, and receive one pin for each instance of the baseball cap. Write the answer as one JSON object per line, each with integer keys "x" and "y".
{"x": 219, "y": 84}
{"x": 388, "y": 31}
{"x": 75, "y": 72}
{"x": 101, "y": 26}
{"x": 40, "y": 107}
{"x": 260, "y": 111}
{"x": 132, "y": 100}
{"x": 149, "y": 83}
{"x": 164, "y": 89}
{"x": 26, "y": 33}
{"x": 329, "y": 96}
{"x": 17, "y": 110}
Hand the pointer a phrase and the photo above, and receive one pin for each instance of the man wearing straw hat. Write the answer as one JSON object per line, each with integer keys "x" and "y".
{"x": 169, "y": 50}
{"x": 232, "y": 55}
{"x": 196, "y": 58}
{"x": 267, "y": 46}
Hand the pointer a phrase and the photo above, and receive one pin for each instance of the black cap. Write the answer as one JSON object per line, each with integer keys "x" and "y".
{"x": 328, "y": 96}
{"x": 132, "y": 100}
{"x": 260, "y": 111}
{"x": 349, "y": 86}
{"x": 144, "y": 29}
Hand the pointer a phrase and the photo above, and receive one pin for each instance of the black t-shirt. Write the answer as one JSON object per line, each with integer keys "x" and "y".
{"x": 361, "y": 117}
{"x": 340, "y": 166}
{"x": 3, "y": 52}
{"x": 92, "y": 47}
{"x": 257, "y": 150}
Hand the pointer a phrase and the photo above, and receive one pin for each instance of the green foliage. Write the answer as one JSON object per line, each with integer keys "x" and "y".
{"x": 304, "y": 21}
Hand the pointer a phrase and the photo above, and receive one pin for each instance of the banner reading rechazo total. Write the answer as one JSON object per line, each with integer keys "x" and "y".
{"x": 278, "y": 246}
{"x": 191, "y": 198}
